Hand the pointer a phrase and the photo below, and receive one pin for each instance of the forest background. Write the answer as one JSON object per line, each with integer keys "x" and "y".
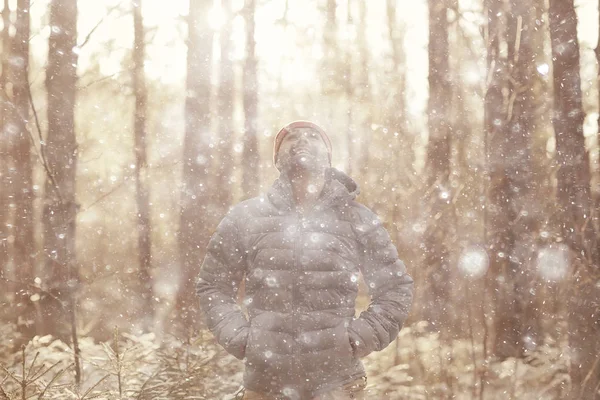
{"x": 128, "y": 128}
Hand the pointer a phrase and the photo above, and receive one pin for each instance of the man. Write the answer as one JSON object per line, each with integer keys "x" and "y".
{"x": 300, "y": 249}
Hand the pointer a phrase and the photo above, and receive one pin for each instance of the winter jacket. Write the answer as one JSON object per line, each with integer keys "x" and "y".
{"x": 301, "y": 280}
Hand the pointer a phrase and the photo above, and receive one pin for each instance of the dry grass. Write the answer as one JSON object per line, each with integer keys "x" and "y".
{"x": 418, "y": 366}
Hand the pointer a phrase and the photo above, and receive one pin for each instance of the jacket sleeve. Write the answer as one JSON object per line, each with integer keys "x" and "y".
{"x": 390, "y": 288}
{"x": 217, "y": 285}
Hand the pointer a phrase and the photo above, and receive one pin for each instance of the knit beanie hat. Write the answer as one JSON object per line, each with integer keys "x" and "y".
{"x": 300, "y": 124}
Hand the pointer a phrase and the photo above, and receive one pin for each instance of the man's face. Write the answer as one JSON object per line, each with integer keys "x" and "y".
{"x": 302, "y": 148}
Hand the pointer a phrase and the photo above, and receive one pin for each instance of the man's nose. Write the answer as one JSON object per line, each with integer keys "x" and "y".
{"x": 303, "y": 139}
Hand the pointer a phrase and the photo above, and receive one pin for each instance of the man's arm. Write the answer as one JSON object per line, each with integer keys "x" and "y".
{"x": 217, "y": 285}
{"x": 390, "y": 288}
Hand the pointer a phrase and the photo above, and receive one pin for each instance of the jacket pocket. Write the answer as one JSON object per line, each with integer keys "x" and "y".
{"x": 348, "y": 338}
{"x": 345, "y": 346}
{"x": 236, "y": 344}
{"x": 250, "y": 353}
{"x": 259, "y": 350}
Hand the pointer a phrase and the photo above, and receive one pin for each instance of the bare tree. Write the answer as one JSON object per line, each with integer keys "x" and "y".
{"x": 396, "y": 123}
{"x": 141, "y": 161}
{"x": 4, "y": 161}
{"x": 508, "y": 215}
{"x": 573, "y": 178}
{"x": 6, "y": 45}
{"x": 22, "y": 177}
{"x": 330, "y": 81}
{"x": 574, "y": 200}
{"x": 251, "y": 157}
{"x": 518, "y": 319}
{"x": 497, "y": 212}
{"x": 225, "y": 101}
{"x": 597, "y": 51}
{"x": 363, "y": 88}
{"x": 348, "y": 88}
{"x": 397, "y": 108}
{"x": 195, "y": 195}
{"x": 438, "y": 162}
{"x": 60, "y": 205}
{"x": 509, "y": 114}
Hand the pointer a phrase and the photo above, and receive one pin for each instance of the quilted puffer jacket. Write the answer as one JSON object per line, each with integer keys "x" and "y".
{"x": 301, "y": 337}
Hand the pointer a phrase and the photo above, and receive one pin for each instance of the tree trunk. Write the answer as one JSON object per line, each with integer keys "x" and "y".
{"x": 498, "y": 213}
{"x": 574, "y": 174}
{"x": 60, "y": 206}
{"x": 597, "y": 51}
{"x": 364, "y": 96}
{"x": 22, "y": 179}
{"x": 141, "y": 163}
{"x": 396, "y": 122}
{"x": 329, "y": 76}
{"x": 397, "y": 108}
{"x": 194, "y": 231}
{"x": 6, "y": 45}
{"x": 519, "y": 318}
{"x": 4, "y": 161}
{"x": 251, "y": 157}
{"x": 438, "y": 164}
{"x": 574, "y": 200}
{"x": 511, "y": 190}
{"x": 349, "y": 94}
{"x": 225, "y": 112}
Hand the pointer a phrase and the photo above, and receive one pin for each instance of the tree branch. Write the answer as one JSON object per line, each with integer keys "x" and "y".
{"x": 89, "y": 35}
{"x": 42, "y": 152}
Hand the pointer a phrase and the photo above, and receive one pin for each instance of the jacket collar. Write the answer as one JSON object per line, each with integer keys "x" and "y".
{"x": 339, "y": 189}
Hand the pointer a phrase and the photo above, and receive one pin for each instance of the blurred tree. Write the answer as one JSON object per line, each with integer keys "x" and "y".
{"x": 597, "y": 51}
{"x": 251, "y": 156}
{"x": 574, "y": 175}
{"x": 466, "y": 180}
{"x": 395, "y": 119}
{"x": 330, "y": 81}
{"x": 19, "y": 150}
{"x": 4, "y": 163}
{"x": 225, "y": 108}
{"x": 349, "y": 87}
{"x": 363, "y": 92}
{"x": 509, "y": 125}
{"x": 60, "y": 204}
{"x": 574, "y": 201}
{"x": 141, "y": 163}
{"x": 438, "y": 193}
{"x": 195, "y": 213}
{"x": 509, "y": 128}
{"x": 517, "y": 314}
{"x": 396, "y": 114}
{"x": 498, "y": 214}
{"x": 5, "y": 43}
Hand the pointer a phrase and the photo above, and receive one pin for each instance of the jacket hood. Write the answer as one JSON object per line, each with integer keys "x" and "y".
{"x": 339, "y": 189}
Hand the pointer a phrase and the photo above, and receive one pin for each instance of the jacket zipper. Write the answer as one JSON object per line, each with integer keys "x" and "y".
{"x": 295, "y": 255}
